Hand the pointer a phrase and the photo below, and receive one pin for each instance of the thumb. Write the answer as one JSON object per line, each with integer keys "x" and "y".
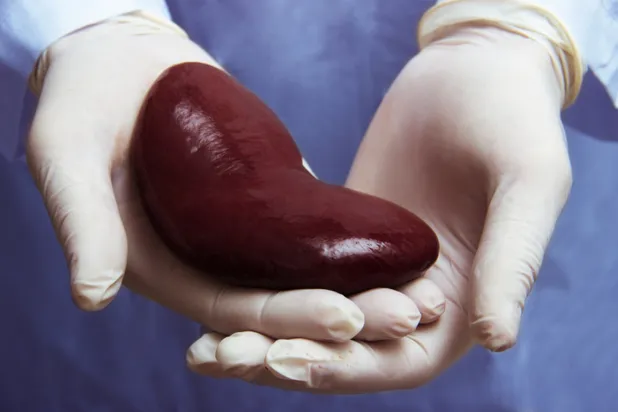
{"x": 520, "y": 221}
{"x": 73, "y": 177}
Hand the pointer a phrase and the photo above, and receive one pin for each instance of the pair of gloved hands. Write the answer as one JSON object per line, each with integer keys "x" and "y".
{"x": 469, "y": 138}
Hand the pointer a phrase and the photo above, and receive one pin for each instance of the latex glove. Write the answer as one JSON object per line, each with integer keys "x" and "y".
{"x": 94, "y": 84}
{"x": 470, "y": 138}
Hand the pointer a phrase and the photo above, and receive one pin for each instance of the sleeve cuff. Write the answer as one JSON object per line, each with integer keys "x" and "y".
{"x": 527, "y": 18}
{"x": 592, "y": 26}
{"x": 29, "y": 26}
{"x": 578, "y": 16}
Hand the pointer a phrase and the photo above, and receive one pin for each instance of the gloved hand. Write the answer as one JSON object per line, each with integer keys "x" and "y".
{"x": 470, "y": 138}
{"x": 93, "y": 84}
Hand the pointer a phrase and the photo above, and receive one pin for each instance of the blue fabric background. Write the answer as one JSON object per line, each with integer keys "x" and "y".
{"x": 323, "y": 66}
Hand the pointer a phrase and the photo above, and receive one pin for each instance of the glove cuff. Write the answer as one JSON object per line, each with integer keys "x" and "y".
{"x": 519, "y": 17}
{"x": 146, "y": 22}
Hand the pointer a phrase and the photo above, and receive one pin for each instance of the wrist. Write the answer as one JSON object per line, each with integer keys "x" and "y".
{"x": 479, "y": 55}
{"x": 513, "y": 19}
{"x": 29, "y": 26}
{"x": 138, "y": 22}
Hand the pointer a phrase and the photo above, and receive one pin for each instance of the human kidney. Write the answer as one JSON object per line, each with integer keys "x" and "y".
{"x": 224, "y": 186}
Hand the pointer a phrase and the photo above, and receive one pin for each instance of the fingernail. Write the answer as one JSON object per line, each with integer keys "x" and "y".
{"x": 438, "y": 309}
{"x": 203, "y": 351}
{"x": 235, "y": 350}
{"x": 499, "y": 343}
{"x": 96, "y": 293}
{"x": 493, "y": 334}
{"x": 192, "y": 357}
{"x": 434, "y": 302}
{"x": 405, "y": 325}
{"x": 294, "y": 360}
{"x": 200, "y": 361}
{"x": 343, "y": 322}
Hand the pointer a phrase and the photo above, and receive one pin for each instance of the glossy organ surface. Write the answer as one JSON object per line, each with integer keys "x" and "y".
{"x": 224, "y": 186}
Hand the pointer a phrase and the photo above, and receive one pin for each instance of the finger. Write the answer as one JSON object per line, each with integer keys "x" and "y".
{"x": 201, "y": 356}
{"x": 519, "y": 225}
{"x": 362, "y": 367}
{"x": 74, "y": 180}
{"x": 428, "y": 298}
{"x": 389, "y": 314}
{"x": 239, "y": 356}
{"x": 314, "y": 314}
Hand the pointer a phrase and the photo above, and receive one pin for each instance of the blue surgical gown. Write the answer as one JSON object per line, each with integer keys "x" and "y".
{"x": 334, "y": 61}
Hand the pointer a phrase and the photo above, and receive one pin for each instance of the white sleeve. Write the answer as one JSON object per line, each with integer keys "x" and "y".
{"x": 592, "y": 26}
{"x": 27, "y": 27}
{"x": 581, "y": 19}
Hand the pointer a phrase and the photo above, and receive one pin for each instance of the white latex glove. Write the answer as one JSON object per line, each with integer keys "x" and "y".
{"x": 470, "y": 138}
{"x": 94, "y": 83}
